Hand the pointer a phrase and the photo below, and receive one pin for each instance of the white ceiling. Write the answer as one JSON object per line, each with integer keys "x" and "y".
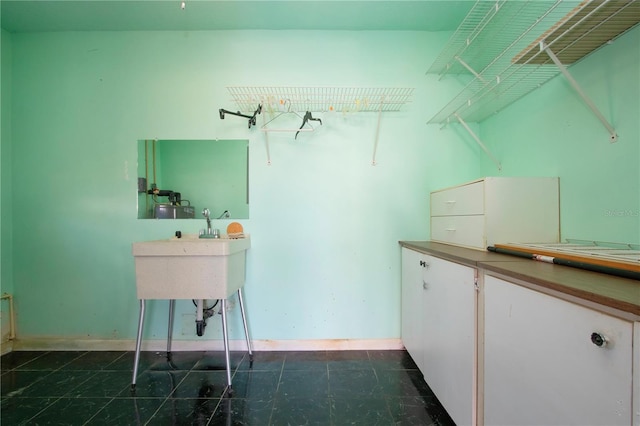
{"x": 146, "y": 15}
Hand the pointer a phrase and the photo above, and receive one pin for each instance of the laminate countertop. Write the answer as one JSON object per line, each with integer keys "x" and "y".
{"x": 621, "y": 294}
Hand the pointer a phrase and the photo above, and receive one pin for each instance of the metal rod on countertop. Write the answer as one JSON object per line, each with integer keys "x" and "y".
{"x": 572, "y": 263}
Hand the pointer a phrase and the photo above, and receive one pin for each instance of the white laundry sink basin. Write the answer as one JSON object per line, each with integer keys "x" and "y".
{"x": 190, "y": 267}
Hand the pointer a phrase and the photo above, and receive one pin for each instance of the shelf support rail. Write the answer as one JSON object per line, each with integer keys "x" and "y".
{"x": 375, "y": 141}
{"x": 471, "y": 70}
{"x": 613, "y": 136}
{"x": 477, "y": 139}
{"x": 266, "y": 139}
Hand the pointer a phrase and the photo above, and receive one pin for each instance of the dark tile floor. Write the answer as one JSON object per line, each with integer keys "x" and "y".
{"x": 280, "y": 388}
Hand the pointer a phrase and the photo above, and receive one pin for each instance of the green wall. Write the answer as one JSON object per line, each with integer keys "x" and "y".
{"x": 6, "y": 215}
{"x": 324, "y": 222}
{"x": 552, "y": 132}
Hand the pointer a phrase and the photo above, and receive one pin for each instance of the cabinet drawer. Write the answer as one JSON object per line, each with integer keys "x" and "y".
{"x": 461, "y": 200}
{"x": 460, "y": 230}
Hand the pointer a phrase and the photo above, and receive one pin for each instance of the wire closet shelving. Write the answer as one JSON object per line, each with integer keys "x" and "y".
{"x": 321, "y": 99}
{"x": 289, "y": 99}
{"x": 510, "y": 48}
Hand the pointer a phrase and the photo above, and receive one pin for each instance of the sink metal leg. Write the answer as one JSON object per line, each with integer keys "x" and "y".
{"x": 225, "y": 338}
{"x": 172, "y": 305}
{"x": 244, "y": 324}
{"x": 136, "y": 359}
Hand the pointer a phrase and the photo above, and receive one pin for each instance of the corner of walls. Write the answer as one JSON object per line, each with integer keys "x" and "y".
{"x": 6, "y": 216}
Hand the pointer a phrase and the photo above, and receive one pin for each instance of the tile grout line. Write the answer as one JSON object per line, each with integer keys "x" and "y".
{"x": 49, "y": 372}
{"x": 26, "y": 422}
{"x": 122, "y": 355}
{"x": 220, "y": 400}
{"x": 90, "y": 376}
{"x": 88, "y": 422}
{"x": 165, "y": 399}
{"x": 27, "y": 362}
{"x": 329, "y": 396}
{"x": 275, "y": 396}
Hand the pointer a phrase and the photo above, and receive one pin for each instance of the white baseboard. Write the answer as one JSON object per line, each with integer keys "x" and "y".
{"x": 50, "y": 344}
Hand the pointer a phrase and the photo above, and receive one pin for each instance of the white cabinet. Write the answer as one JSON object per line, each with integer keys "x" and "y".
{"x": 412, "y": 268}
{"x": 541, "y": 366}
{"x": 449, "y": 329}
{"x": 439, "y": 328}
{"x": 497, "y": 210}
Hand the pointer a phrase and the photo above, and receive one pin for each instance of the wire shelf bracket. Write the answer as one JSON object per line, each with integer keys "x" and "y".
{"x": 266, "y": 140}
{"x": 613, "y": 136}
{"x": 477, "y": 139}
{"x": 377, "y": 136}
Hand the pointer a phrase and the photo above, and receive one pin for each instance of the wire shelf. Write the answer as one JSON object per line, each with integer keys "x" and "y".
{"x": 499, "y": 45}
{"x": 320, "y": 99}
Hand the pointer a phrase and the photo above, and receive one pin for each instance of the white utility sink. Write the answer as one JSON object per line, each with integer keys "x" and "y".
{"x": 190, "y": 267}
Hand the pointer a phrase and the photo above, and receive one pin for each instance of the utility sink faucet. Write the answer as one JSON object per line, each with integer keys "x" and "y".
{"x": 206, "y": 213}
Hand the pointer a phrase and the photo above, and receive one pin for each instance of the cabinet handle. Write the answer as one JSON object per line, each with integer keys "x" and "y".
{"x": 425, "y": 286}
{"x": 450, "y": 229}
{"x": 599, "y": 339}
{"x": 450, "y": 202}
{"x": 424, "y": 264}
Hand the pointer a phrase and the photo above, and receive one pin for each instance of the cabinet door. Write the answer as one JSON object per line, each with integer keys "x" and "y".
{"x": 541, "y": 367}
{"x": 411, "y": 309}
{"x": 449, "y": 312}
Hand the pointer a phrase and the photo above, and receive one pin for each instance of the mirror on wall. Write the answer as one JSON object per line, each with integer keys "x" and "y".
{"x": 178, "y": 178}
